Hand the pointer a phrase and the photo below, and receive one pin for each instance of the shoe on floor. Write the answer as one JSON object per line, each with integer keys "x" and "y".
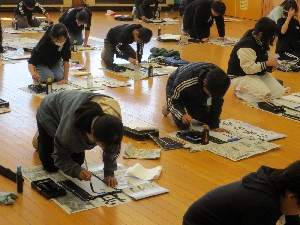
{"x": 165, "y": 110}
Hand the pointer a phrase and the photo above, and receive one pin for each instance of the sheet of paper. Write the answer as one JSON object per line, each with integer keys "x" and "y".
{"x": 141, "y": 172}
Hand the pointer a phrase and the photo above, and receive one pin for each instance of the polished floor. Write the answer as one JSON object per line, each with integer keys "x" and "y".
{"x": 187, "y": 175}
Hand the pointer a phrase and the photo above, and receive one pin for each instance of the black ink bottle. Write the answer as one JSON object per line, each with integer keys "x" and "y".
{"x": 19, "y": 180}
{"x": 150, "y": 70}
{"x": 205, "y": 135}
{"x": 16, "y": 25}
{"x": 49, "y": 86}
{"x": 75, "y": 46}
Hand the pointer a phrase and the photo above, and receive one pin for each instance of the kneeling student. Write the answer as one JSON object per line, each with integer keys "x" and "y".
{"x": 118, "y": 40}
{"x": 195, "y": 91}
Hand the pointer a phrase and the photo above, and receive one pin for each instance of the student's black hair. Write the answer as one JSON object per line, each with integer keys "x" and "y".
{"x": 268, "y": 28}
{"x": 217, "y": 82}
{"x": 218, "y": 7}
{"x": 108, "y": 129}
{"x": 30, "y": 3}
{"x": 82, "y": 16}
{"x": 145, "y": 34}
{"x": 59, "y": 30}
{"x": 285, "y": 1}
{"x": 288, "y": 5}
{"x": 55, "y": 31}
{"x": 287, "y": 179}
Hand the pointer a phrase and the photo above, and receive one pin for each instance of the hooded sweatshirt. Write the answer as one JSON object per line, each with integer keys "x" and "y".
{"x": 252, "y": 201}
{"x": 56, "y": 115}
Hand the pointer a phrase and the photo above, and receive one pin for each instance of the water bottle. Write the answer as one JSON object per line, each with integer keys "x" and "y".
{"x": 89, "y": 81}
{"x": 137, "y": 72}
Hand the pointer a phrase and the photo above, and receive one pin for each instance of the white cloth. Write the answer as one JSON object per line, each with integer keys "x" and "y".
{"x": 255, "y": 88}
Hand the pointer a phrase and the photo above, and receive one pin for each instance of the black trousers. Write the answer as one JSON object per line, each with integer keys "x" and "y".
{"x": 46, "y": 148}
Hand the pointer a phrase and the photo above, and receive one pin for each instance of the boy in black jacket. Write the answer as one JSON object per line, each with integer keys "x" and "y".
{"x": 76, "y": 20}
{"x": 199, "y": 16}
{"x": 24, "y": 13}
{"x": 118, "y": 40}
{"x": 143, "y": 9}
{"x": 195, "y": 91}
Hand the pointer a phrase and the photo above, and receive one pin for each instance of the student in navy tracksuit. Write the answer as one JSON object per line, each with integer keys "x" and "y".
{"x": 260, "y": 198}
{"x": 195, "y": 91}
{"x": 288, "y": 45}
{"x": 118, "y": 40}
{"x": 76, "y": 20}
{"x": 24, "y": 13}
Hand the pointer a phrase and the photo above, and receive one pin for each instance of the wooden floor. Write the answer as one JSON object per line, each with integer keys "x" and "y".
{"x": 187, "y": 175}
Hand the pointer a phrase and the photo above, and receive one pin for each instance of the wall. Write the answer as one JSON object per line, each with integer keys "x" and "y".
{"x": 253, "y": 11}
{"x": 256, "y": 8}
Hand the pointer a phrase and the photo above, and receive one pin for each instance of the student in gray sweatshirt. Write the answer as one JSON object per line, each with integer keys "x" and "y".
{"x": 71, "y": 122}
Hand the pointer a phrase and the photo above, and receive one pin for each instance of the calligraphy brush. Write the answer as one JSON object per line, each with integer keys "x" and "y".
{"x": 190, "y": 121}
{"x": 91, "y": 185}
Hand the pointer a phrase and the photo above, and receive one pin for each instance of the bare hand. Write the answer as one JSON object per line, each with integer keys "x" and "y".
{"x": 35, "y": 76}
{"x": 110, "y": 181}
{"x": 63, "y": 81}
{"x": 186, "y": 119}
{"x": 272, "y": 62}
{"x": 220, "y": 130}
{"x": 291, "y": 13}
{"x": 205, "y": 39}
{"x": 132, "y": 60}
{"x": 85, "y": 175}
{"x": 49, "y": 21}
{"x": 86, "y": 45}
{"x": 143, "y": 18}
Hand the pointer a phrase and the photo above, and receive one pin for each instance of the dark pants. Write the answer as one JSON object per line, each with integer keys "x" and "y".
{"x": 32, "y": 21}
{"x": 147, "y": 9}
{"x": 109, "y": 51}
{"x": 148, "y": 13}
{"x": 199, "y": 112}
{"x": 46, "y": 148}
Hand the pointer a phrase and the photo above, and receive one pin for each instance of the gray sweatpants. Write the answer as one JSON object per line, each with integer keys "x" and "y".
{"x": 34, "y": 22}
